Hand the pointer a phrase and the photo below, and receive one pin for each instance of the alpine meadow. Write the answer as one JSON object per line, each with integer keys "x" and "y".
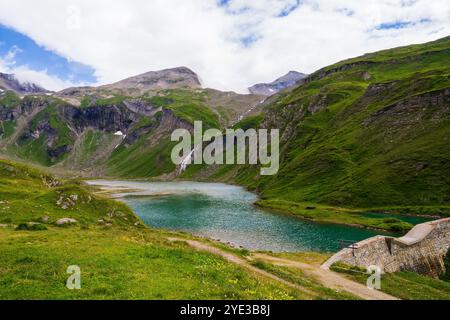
{"x": 340, "y": 189}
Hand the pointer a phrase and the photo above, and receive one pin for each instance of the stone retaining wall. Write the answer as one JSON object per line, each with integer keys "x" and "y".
{"x": 422, "y": 250}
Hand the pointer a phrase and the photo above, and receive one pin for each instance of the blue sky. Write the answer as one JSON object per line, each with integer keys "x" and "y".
{"x": 29, "y": 53}
{"x": 230, "y": 44}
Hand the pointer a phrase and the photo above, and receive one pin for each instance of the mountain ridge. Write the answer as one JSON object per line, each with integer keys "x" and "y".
{"x": 171, "y": 78}
{"x": 365, "y": 132}
{"x": 284, "y": 82}
{"x": 9, "y": 82}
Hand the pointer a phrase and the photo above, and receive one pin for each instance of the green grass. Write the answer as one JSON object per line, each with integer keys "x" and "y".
{"x": 296, "y": 276}
{"x": 138, "y": 160}
{"x": 7, "y": 128}
{"x": 188, "y": 105}
{"x": 251, "y": 122}
{"x": 118, "y": 259}
{"x": 320, "y": 213}
{"x": 37, "y": 150}
{"x": 9, "y": 99}
{"x": 88, "y": 101}
{"x": 366, "y": 134}
{"x": 90, "y": 144}
{"x": 90, "y": 151}
{"x": 29, "y": 195}
{"x": 344, "y": 146}
{"x": 120, "y": 264}
{"x": 145, "y": 122}
{"x": 404, "y": 285}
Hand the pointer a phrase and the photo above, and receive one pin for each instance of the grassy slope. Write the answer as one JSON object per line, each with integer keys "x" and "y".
{"x": 150, "y": 155}
{"x": 349, "y": 153}
{"x": 8, "y": 99}
{"x": 36, "y": 149}
{"x": 321, "y": 213}
{"x": 405, "y": 285}
{"x": 139, "y": 161}
{"x": 118, "y": 259}
{"x": 6, "y": 129}
{"x": 120, "y": 264}
{"x": 187, "y": 105}
{"x": 90, "y": 150}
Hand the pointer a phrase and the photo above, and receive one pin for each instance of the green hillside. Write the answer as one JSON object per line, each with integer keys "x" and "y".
{"x": 367, "y": 132}
{"x": 118, "y": 256}
{"x": 362, "y": 137}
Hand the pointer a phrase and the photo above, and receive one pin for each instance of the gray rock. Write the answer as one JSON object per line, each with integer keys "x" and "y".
{"x": 65, "y": 221}
{"x": 180, "y": 77}
{"x": 286, "y": 81}
{"x": 10, "y": 82}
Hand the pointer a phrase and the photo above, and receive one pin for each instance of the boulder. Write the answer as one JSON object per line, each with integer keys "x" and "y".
{"x": 65, "y": 221}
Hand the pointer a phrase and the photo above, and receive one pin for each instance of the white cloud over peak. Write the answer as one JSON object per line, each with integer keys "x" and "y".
{"x": 231, "y": 46}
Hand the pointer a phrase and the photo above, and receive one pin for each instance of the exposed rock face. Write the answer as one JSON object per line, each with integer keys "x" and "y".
{"x": 59, "y": 127}
{"x": 7, "y": 114}
{"x": 110, "y": 119}
{"x": 139, "y": 106}
{"x": 26, "y": 106}
{"x": 286, "y": 81}
{"x": 9, "y": 82}
{"x": 149, "y": 82}
{"x": 412, "y": 110}
{"x": 181, "y": 77}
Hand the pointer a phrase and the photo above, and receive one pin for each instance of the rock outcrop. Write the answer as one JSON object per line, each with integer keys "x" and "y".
{"x": 180, "y": 77}
{"x": 8, "y": 82}
{"x": 268, "y": 89}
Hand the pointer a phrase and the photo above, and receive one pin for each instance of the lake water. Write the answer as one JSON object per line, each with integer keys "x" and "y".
{"x": 226, "y": 213}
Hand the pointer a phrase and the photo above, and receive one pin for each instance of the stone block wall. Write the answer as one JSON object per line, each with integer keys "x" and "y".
{"x": 422, "y": 250}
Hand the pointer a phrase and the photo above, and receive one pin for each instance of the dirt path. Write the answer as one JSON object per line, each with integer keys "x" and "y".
{"x": 243, "y": 263}
{"x": 327, "y": 278}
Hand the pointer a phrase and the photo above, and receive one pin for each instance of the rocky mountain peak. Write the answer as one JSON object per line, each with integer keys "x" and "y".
{"x": 180, "y": 77}
{"x": 8, "y": 82}
{"x": 286, "y": 81}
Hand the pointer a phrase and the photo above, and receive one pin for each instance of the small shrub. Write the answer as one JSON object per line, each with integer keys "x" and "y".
{"x": 38, "y": 227}
{"x": 31, "y": 227}
{"x": 22, "y": 227}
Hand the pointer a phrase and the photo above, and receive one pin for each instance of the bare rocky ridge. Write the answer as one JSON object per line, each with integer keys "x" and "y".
{"x": 268, "y": 89}
{"x": 180, "y": 77}
{"x": 8, "y": 82}
{"x": 147, "y": 83}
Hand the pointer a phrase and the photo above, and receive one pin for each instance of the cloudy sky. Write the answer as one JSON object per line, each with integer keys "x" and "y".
{"x": 231, "y": 44}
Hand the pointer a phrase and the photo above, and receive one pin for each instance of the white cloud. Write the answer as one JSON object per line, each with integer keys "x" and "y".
{"x": 11, "y": 54}
{"x": 24, "y": 74}
{"x": 122, "y": 38}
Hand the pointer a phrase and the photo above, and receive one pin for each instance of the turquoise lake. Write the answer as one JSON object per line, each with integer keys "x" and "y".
{"x": 226, "y": 213}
